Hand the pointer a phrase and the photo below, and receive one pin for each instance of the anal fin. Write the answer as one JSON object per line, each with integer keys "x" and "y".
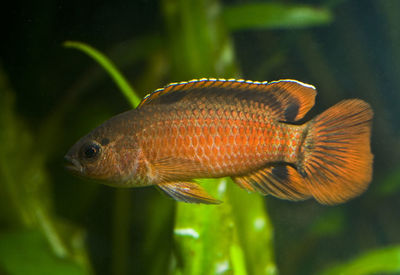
{"x": 282, "y": 181}
{"x": 189, "y": 192}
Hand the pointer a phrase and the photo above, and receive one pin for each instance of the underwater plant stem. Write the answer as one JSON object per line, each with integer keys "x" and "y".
{"x": 50, "y": 231}
{"x": 109, "y": 66}
{"x": 254, "y": 231}
{"x": 238, "y": 261}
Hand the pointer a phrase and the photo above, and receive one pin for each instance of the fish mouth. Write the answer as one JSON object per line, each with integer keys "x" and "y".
{"x": 73, "y": 165}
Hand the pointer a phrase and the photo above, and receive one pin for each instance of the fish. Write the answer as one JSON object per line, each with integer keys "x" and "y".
{"x": 253, "y": 132}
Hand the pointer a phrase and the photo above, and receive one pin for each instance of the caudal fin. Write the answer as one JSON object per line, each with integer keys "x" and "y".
{"x": 335, "y": 158}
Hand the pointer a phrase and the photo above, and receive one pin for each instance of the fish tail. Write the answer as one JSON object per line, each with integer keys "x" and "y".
{"x": 335, "y": 158}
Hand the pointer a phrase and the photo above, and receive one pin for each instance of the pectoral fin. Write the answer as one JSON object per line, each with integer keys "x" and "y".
{"x": 171, "y": 168}
{"x": 189, "y": 192}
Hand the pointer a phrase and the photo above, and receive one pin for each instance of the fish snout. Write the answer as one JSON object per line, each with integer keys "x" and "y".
{"x": 72, "y": 164}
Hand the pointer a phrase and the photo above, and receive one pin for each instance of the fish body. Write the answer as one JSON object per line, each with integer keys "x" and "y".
{"x": 247, "y": 130}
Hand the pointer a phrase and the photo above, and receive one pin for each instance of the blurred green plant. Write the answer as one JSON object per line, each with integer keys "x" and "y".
{"x": 27, "y": 252}
{"x": 274, "y": 16}
{"x": 384, "y": 260}
{"x": 24, "y": 192}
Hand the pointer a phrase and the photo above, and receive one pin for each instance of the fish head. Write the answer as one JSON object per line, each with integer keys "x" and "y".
{"x": 106, "y": 155}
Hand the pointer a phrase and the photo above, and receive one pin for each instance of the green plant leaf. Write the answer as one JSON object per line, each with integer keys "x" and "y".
{"x": 226, "y": 238}
{"x": 28, "y": 253}
{"x": 274, "y": 16}
{"x": 385, "y": 260}
{"x": 108, "y": 65}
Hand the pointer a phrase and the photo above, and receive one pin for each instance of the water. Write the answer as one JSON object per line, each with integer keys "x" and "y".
{"x": 50, "y": 96}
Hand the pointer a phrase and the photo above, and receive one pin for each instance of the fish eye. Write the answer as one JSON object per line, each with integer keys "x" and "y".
{"x": 90, "y": 151}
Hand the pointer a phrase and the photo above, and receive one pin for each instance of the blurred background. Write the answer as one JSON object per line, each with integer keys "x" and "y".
{"x": 54, "y": 223}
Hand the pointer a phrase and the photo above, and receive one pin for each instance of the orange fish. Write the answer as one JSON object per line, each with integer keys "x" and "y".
{"x": 247, "y": 130}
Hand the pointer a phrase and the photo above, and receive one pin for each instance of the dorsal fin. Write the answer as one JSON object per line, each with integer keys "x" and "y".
{"x": 296, "y": 97}
{"x": 289, "y": 100}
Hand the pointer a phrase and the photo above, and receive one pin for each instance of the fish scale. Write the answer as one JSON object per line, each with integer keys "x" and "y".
{"x": 223, "y": 140}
